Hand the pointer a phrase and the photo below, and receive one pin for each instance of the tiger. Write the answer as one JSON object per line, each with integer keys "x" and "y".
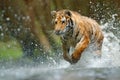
{"x": 77, "y": 31}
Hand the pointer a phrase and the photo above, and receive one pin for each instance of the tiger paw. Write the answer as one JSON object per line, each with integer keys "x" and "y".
{"x": 74, "y": 59}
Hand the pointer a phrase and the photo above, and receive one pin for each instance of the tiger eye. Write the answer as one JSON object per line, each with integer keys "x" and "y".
{"x": 55, "y": 22}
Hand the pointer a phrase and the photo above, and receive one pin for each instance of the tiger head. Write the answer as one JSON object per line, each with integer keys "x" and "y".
{"x": 62, "y": 21}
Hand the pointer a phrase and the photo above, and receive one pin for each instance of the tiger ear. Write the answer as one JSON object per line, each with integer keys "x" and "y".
{"x": 68, "y": 12}
{"x": 53, "y": 13}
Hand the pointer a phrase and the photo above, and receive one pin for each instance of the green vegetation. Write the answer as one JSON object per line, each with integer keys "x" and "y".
{"x": 10, "y": 50}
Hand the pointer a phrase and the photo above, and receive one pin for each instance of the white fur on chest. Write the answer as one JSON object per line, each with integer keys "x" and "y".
{"x": 71, "y": 50}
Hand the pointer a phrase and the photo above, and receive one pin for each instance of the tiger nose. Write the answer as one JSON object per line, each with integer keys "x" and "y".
{"x": 57, "y": 32}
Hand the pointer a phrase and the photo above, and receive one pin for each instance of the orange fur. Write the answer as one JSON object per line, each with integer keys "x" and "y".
{"x": 76, "y": 31}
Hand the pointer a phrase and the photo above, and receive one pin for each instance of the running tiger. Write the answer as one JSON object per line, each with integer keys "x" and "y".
{"x": 76, "y": 31}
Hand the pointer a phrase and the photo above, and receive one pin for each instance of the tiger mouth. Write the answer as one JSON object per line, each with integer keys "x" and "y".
{"x": 58, "y": 32}
{"x": 63, "y": 32}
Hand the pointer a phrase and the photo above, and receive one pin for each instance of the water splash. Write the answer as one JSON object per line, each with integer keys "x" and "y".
{"x": 110, "y": 50}
{"x": 111, "y": 46}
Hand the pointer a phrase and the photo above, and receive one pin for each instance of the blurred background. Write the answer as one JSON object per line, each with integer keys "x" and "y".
{"x": 29, "y": 50}
{"x": 26, "y": 30}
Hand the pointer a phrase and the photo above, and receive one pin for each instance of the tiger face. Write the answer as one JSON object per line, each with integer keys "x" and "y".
{"x": 62, "y": 21}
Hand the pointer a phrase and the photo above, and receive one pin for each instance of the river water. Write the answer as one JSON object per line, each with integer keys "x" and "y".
{"x": 88, "y": 68}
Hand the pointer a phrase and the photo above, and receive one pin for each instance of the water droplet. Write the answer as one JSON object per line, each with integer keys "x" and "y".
{"x": 90, "y": 2}
{"x": 2, "y": 34}
{"x": 8, "y": 19}
{"x": 28, "y": 17}
{"x": 0, "y": 27}
{"x": 18, "y": 29}
{"x": 8, "y": 46}
{"x": 15, "y": 15}
{"x": 23, "y": 18}
{"x": 36, "y": 45}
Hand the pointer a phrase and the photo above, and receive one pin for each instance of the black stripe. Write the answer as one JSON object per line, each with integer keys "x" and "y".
{"x": 71, "y": 22}
{"x": 76, "y": 35}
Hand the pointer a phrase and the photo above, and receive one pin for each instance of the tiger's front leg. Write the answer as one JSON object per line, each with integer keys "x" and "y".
{"x": 66, "y": 55}
{"x": 80, "y": 47}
